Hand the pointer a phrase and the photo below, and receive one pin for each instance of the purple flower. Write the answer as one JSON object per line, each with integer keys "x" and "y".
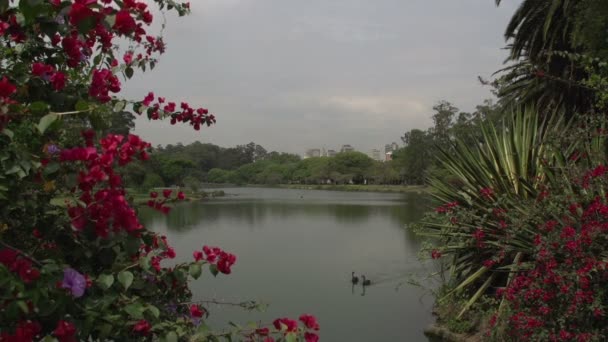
{"x": 53, "y": 149}
{"x": 74, "y": 281}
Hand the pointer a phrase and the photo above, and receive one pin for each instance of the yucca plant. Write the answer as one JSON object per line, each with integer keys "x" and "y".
{"x": 490, "y": 187}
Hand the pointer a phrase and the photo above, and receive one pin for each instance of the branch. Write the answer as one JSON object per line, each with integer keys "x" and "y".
{"x": 25, "y": 255}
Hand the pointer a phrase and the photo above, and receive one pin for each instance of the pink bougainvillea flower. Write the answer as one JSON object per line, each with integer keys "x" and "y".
{"x": 65, "y": 331}
{"x": 309, "y": 321}
{"x": 311, "y": 337}
{"x": 435, "y": 254}
{"x": 58, "y": 81}
{"x": 286, "y": 324}
{"x": 196, "y": 311}
{"x": 181, "y": 196}
{"x": 124, "y": 23}
{"x": 6, "y": 88}
{"x": 167, "y": 193}
{"x": 262, "y": 331}
{"x": 198, "y": 255}
{"x": 142, "y": 327}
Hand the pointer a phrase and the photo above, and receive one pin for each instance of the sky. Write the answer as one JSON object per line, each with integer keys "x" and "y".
{"x": 293, "y": 75}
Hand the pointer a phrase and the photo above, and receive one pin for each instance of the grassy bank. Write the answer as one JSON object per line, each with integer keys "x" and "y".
{"x": 353, "y": 187}
{"x": 142, "y": 198}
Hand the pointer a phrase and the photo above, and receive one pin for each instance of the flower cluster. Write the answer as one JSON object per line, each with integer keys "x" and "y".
{"x": 216, "y": 256}
{"x": 102, "y": 193}
{"x": 25, "y": 331}
{"x": 561, "y": 297}
{"x": 185, "y": 113}
{"x": 158, "y": 203}
{"x": 19, "y": 265}
{"x": 288, "y": 325}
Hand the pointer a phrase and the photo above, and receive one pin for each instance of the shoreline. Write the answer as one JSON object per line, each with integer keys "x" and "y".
{"x": 348, "y": 187}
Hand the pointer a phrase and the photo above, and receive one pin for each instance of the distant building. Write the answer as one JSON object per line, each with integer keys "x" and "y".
{"x": 331, "y": 153}
{"x": 388, "y": 156}
{"x": 312, "y": 152}
{"x": 391, "y": 147}
{"x": 375, "y": 154}
{"x": 347, "y": 148}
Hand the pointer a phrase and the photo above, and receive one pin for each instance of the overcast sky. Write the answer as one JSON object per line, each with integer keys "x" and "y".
{"x": 291, "y": 75}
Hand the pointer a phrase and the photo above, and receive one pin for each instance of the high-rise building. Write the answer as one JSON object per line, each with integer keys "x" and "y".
{"x": 391, "y": 147}
{"x": 375, "y": 154}
{"x": 347, "y": 148}
{"x": 312, "y": 152}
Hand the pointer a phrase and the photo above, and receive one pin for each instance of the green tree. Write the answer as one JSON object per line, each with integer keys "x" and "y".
{"x": 414, "y": 160}
{"x": 152, "y": 180}
{"x": 355, "y": 164}
{"x": 541, "y": 37}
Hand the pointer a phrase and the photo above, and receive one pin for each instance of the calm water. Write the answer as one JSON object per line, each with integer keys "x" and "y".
{"x": 296, "y": 250}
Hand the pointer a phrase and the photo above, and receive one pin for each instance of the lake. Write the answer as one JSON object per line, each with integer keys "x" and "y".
{"x": 296, "y": 250}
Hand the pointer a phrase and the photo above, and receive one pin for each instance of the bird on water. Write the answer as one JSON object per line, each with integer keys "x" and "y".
{"x": 354, "y": 278}
{"x": 365, "y": 282}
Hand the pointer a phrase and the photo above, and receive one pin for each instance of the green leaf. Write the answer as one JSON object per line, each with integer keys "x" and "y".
{"x": 51, "y": 168}
{"x": 213, "y": 269}
{"x": 38, "y": 107}
{"x": 135, "y": 310}
{"x": 105, "y": 281}
{"x": 82, "y": 105}
{"x": 119, "y": 106}
{"x": 171, "y": 337}
{"x": 125, "y": 278}
{"x": 291, "y": 337}
{"x": 195, "y": 270}
{"x": 3, "y": 6}
{"x": 129, "y": 72}
{"x": 49, "y": 338}
{"x": 23, "y": 306}
{"x": 144, "y": 263}
{"x": 154, "y": 310}
{"x": 8, "y": 133}
{"x": 97, "y": 59}
{"x": 46, "y": 121}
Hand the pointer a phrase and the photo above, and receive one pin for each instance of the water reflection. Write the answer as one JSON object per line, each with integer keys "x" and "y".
{"x": 190, "y": 215}
{"x": 297, "y": 250}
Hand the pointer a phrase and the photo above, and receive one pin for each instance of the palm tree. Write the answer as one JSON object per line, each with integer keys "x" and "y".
{"x": 541, "y": 39}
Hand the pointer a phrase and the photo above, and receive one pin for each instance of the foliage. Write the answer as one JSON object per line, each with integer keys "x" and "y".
{"x": 89, "y": 270}
{"x": 488, "y": 185}
{"x": 420, "y": 155}
{"x": 558, "y": 291}
{"x": 492, "y": 221}
{"x": 151, "y": 181}
{"x": 540, "y": 36}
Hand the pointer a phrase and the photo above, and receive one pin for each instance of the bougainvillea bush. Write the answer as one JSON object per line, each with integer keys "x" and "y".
{"x": 559, "y": 293}
{"x": 75, "y": 261}
{"x": 527, "y": 248}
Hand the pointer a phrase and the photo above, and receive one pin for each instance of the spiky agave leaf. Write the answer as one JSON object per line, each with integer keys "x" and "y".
{"x": 513, "y": 160}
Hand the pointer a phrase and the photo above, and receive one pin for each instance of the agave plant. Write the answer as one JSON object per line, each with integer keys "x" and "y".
{"x": 492, "y": 184}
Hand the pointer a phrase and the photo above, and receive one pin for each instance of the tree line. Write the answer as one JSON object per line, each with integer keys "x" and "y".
{"x": 196, "y": 163}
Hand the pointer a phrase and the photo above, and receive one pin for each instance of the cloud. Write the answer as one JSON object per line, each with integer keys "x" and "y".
{"x": 292, "y": 75}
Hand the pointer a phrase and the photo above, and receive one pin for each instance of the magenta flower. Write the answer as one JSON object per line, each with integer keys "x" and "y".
{"x": 74, "y": 281}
